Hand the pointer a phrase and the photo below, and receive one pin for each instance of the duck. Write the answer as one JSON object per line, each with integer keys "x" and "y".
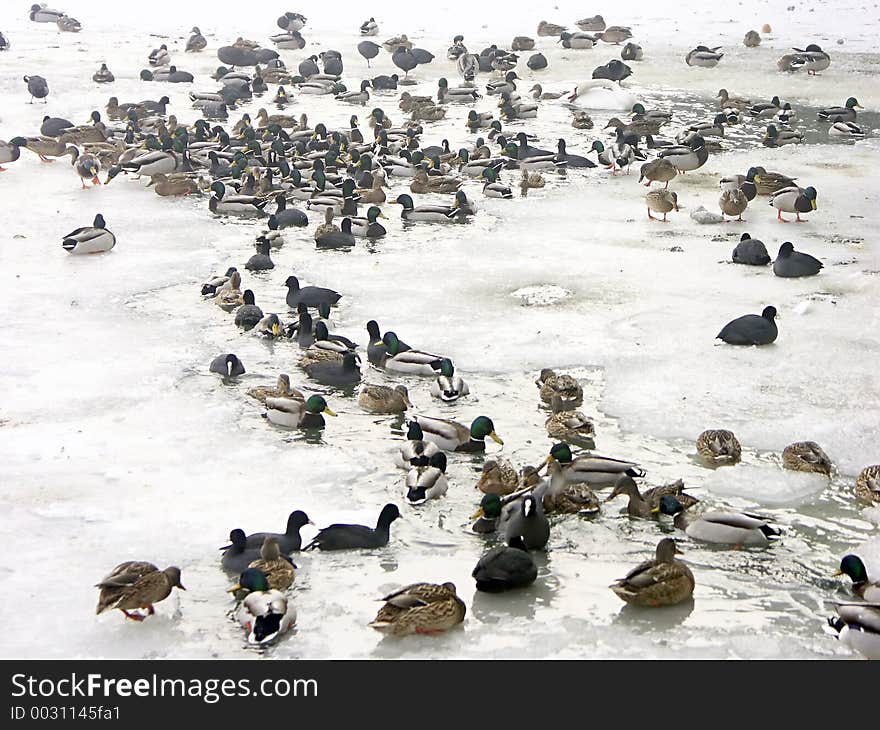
{"x": 277, "y": 568}
{"x": 222, "y": 204}
{"x": 854, "y": 567}
{"x": 846, "y": 129}
{"x": 647, "y": 505}
{"x": 296, "y": 413}
{"x": 793, "y": 199}
{"x": 733, "y": 203}
{"x": 790, "y": 263}
{"x": 414, "y": 362}
{"x": 281, "y": 389}
{"x": 427, "y": 482}
{"x": 370, "y": 27}
{"x": 268, "y": 327}
{"x": 450, "y": 435}
{"x": 149, "y": 164}
{"x": 505, "y": 567}
{"x": 350, "y": 537}
{"x": 567, "y": 424}
{"x": 725, "y": 101}
{"x": 487, "y": 516}
{"x": 660, "y": 170}
{"x": 687, "y": 157}
{"x": 562, "y": 497}
{"x": 867, "y": 487}
{"x": 550, "y": 29}
{"x": 498, "y": 477}
{"x": 228, "y": 365}
{"x": 752, "y": 39}
{"x": 765, "y": 108}
{"x": 248, "y": 315}
{"x": 449, "y": 386}
{"x": 704, "y": 57}
{"x": 384, "y": 399}
{"x": 615, "y": 34}
{"x": 86, "y": 165}
{"x": 530, "y": 180}
{"x": 43, "y": 14}
{"x": 134, "y": 585}
{"x": 458, "y": 95}
{"x": 90, "y": 239}
{"x": 662, "y": 201}
{"x": 159, "y": 56}
{"x": 715, "y": 128}
{"x": 845, "y": 113}
{"x": 775, "y": 137}
{"x": 598, "y": 471}
{"x": 740, "y": 529}
{"x": 768, "y": 183}
{"x": 750, "y": 251}
{"x": 857, "y": 625}
{"x": 751, "y": 329}
{"x": 174, "y": 184}
{"x": 356, "y": 97}
{"x": 396, "y": 42}
{"x": 492, "y": 188}
{"x": 806, "y": 456}
{"x": 632, "y": 52}
{"x": 196, "y": 41}
{"x": 344, "y": 373}
{"x": 474, "y": 167}
{"x": 426, "y": 213}
{"x": 565, "y": 386}
{"x": 311, "y": 296}
{"x": 416, "y": 451}
{"x": 423, "y": 183}
{"x": 103, "y": 75}
{"x": 581, "y": 120}
{"x": 811, "y": 59}
{"x": 719, "y": 446}
{"x": 229, "y": 296}
{"x": 595, "y": 23}
{"x": 420, "y": 608}
{"x": 663, "y": 581}
{"x": 576, "y": 40}
{"x": 368, "y": 227}
{"x": 265, "y": 613}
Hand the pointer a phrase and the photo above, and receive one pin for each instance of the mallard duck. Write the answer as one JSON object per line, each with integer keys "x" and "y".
{"x": 473, "y": 166}
{"x": 89, "y": 239}
{"x": 453, "y": 436}
{"x": 867, "y": 486}
{"x": 775, "y": 137}
{"x": 792, "y": 200}
{"x": 10, "y": 151}
{"x": 854, "y": 567}
{"x": 647, "y": 505}
{"x": 615, "y": 34}
{"x": 845, "y": 113}
{"x": 413, "y": 362}
{"x": 550, "y": 29}
{"x": 806, "y": 456}
{"x": 370, "y": 27}
{"x": 565, "y": 386}
{"x": 582, "y": 120}
{"x": 41, "y": 13}
{"x": 159, "y": 56}
{"x": 858, "y": 626}
{"x": 494, "y": 189}
{"x": 660, "y": 170}
{"x": 704, "y": 57}
{"x": 718, "y": 446}
{"x": 539, "y": 93}
{"x": 229, "y": 295}
{"x": 597, "y": 471}
{"x": 576, "y": 40}
{"x": 768, "y": 183}
{"x": 448, "y": 386}
{"x": 221, "y": 203}
{"x": 567, "y": 424}
{"x": 133, "y": 585}
{"x": 595, "y": 23}
{"x": 216, "y": 284}
{"x": 765, "y": 108}
{"x": 661, "y": 201}
{"x": 733, "y": 203}
{"x": 846, "y": 129}
{"x": 392, "y": 44}
{"x": 726, "y": 101}
{"x": 374, "y": 194}
{"x": 264, "y": 613}
{"x": 175, "y": 184}
{"x": 278, "y": 569}
{"x": 349, "y": 537}
{"x": 296, "y": 413}
{"x": 456, "y": 94}
{"x": 741, "y": 529}
{"x": 416, "y": 451}
{"x": 86, "y": 165}
{"x": 281, "y": 389}
{"x": 811, "y": 59}
{"x": 498, "y": 477}
{"x": 45, "y": 147}
{"x": 384, "y": 399}
{"x": 562, "y": 497}
{"x": 663, "y": 581}
{"x": 423, "y": 183}
{"x": 687, "y": 157}
{"x": 530, "y": 180}
{"x": 420, "y": 608}
{"x": 505, "y": 567}
{"x": 488, "y": 515}
{"x": 149, "y": 164}
{"x": 427, "y": 482}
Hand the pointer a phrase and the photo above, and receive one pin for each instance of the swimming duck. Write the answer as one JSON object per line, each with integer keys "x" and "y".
{"x": 725, "y": 101}
{"x": 765, "y": 108}
{"x": 597, "y": 471}
{"x": 806, "y": 456}
{"x": 790, "y": 263}
{"x": 740, "y": 529}
{"x": 733, "y": 203}
{"x": 416, "y": 451}
{"x": 581, "y": 120}
{"x": 133, "y": 585}
{"x": 295, "y": 413}
{"x": 427, "y": 482}
{"x": 530, "y": 180}
{"x": 662, "y": 201}
{"x": 505, "y": 567}
{"x": 349, "y": 537}
{"x": 811, "y": 59}
{"x": 854, "y": 567}
{"x": 356, "y": 97}
{"x": 281, "y": 389}
{"x": 453, "y": 436}
{"x": 459, "y": 95}
{"x": 384, "y": 399}
{"x": 663, "y": 581}
{"x": 264, "y": 613}
{"x": 750, "y": 251}
{"x": 90, "y": 239}
{"x": 845, "y": 113}
{"x": 660, "y": 169}
{"x": 414, "y": 362}
{"x": 268, "y": 327}
{"x": 563, "y": 385}
{"x": 368, "y": 227}
{"x": 846, "y": 129}
{"x": 221, "y": 203}
{"x": 449, "y": 386}
{"x": 539, "y": 93}
{"x": 778, "y": 137}
{"x": 277, "y": 568}
{"x": 646, "y": 505}
{"x": 792, "y": 200}
{"x": 858, "y": 626}
{"x": 566, "y": 424}
{"x": 498, "y": 477}
{"x": 474, "y": 167}
{"x": 428, "y": 213}
{"x": 420, "y": 608}
{"x": 311, "y": 296}
{"x": 563, "y": 497}
{"x": 704, "y": 57}
{"x": 867, "y": 487}
{"x": 719, "y": 446}
{"x": 423, "y": 183}
{"x": 229, "y": 295}
{"x": 492, "y": 188}
{"x": 751, "y": 329}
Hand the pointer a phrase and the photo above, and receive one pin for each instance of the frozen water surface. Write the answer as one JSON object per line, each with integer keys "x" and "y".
{"x": 117, "y": 443}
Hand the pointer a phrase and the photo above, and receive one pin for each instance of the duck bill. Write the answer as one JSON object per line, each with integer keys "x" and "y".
{"x": 382, "y": 215}
{"x": 478, "y": 513}
{"x": 837, "y": 574}
{"x": 181, "y": 586}
{"x": 276, "y": 329}
{"x": 496, "y": 438}
{"x": 655, "y": 510}
{"x": 328, "y": 411}
{"x": 679, "y": 552}
{"x": 813, "y": 204}
{"x": 233, "y": 589}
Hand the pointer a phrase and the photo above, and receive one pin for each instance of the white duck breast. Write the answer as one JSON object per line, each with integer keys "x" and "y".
{"x": 858, "y": 627}
{"x": 412, "y": 450}
{"x": 845, "y": 129}
{"x": 414, "y": 362}
{"x": 424, "y": 483}
{"x": 265, "y": 615}
{"x": 729, "y": 528}
{"x": 443, "y": 433}
{"x": 90, "y": 239}
{"x": 449, "y": 389}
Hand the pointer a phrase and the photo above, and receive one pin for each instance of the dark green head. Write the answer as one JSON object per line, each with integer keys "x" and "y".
{"x": 253, "y": 579}
{"x": 483, "y": 427}
{"x": 438, "y": 461}
{"x": 561, "y": 452}
{"x": 406, "y": 201}
{"x": 852, "y": 103}
{"x": 638, "y": 109}
{"x": 414, "y": 432}
{"x": 373, "y": 213}
{"x": 490, "y": 174}
{"x": 490, "y": 507}
{"x": 447, "y": 369}
{"x": 219, "y": 188}
{"x": 810, "y": 194}
{"x": 669, "y": 505}
{"x": 598, "y": 147}
{"x": 853, "y": 566}
{"x": 316, "y": 404}
{"x": 391, "y": 343}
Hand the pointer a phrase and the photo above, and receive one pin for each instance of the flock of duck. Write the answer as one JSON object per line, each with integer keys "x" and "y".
{"x": 278, "y": 160}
